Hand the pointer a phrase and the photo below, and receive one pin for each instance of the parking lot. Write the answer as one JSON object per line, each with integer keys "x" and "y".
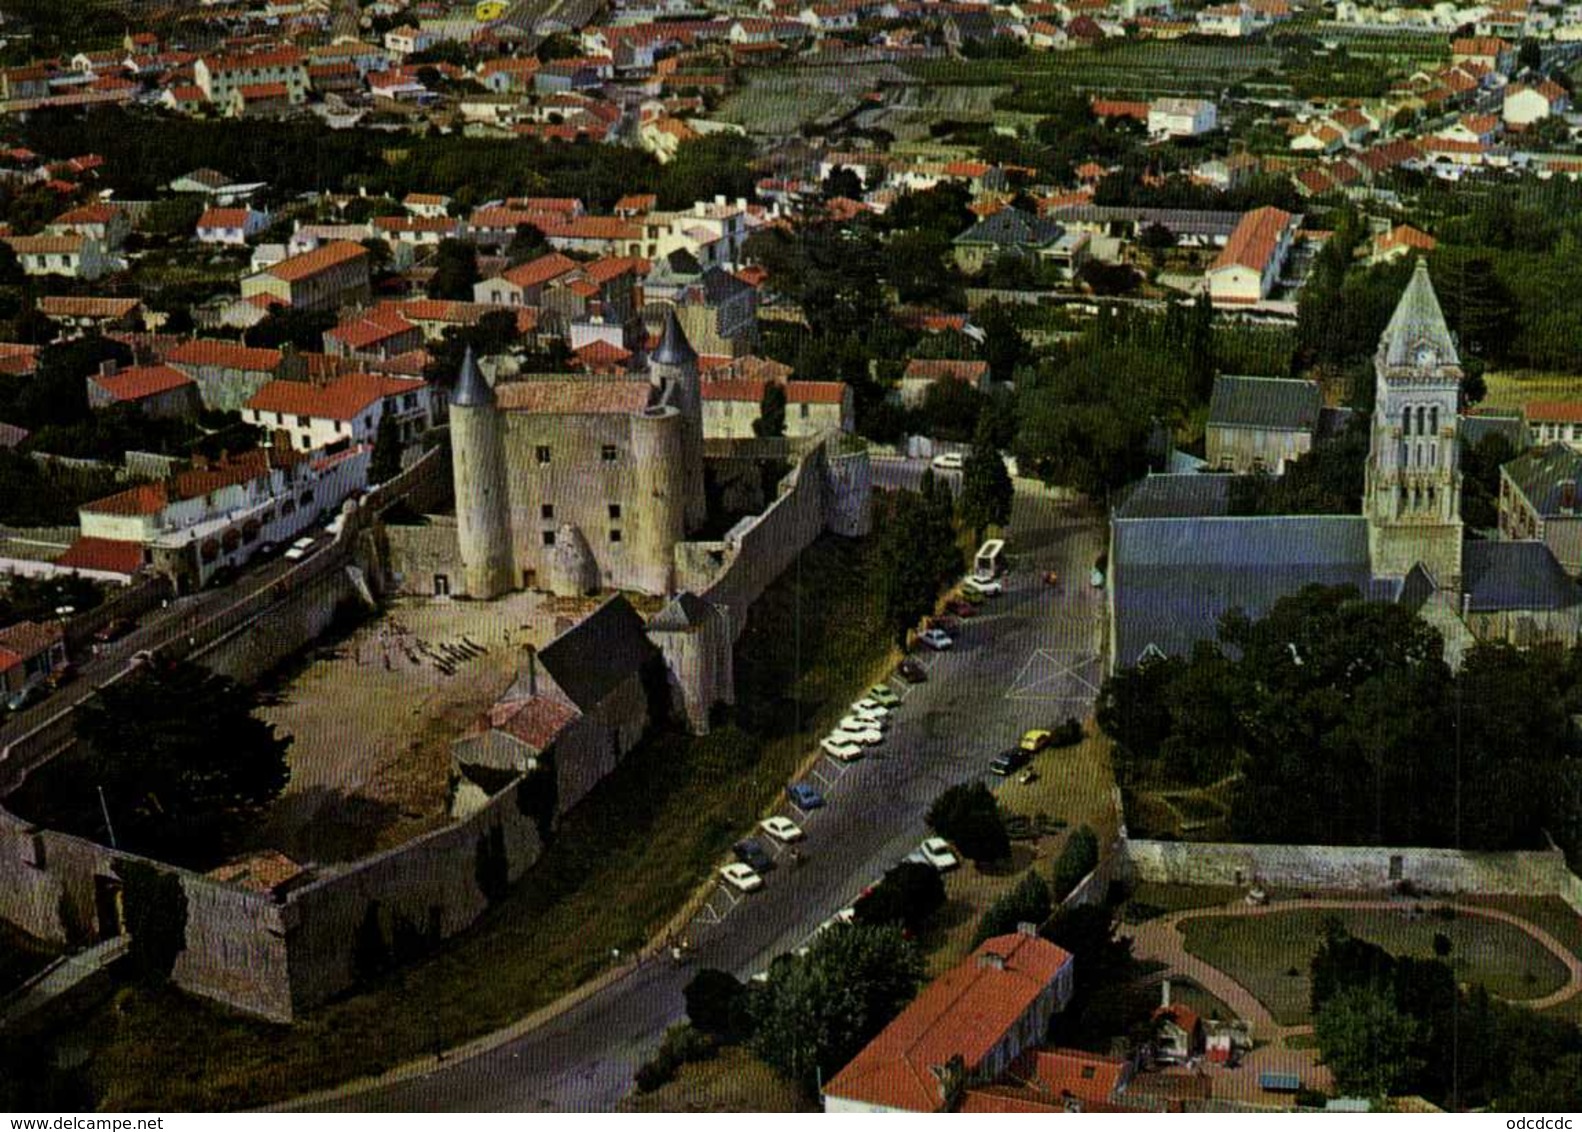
{"x": 1030, "y": 658}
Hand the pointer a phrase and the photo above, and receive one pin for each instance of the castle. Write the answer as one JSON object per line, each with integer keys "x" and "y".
{"x": 1179, "y": 559}
{"x": 575, "y": 484}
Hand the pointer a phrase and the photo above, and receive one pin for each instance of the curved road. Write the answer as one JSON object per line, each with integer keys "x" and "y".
{"x": 1031, "y": 657}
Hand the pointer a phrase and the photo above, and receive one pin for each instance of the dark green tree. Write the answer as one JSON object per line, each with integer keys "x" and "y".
{"x": 908, "y": 580}
{"x": 969, "y": 816}
{"x": 455, "y": 271}
{"x": 1028, "y": 903}
{"x": 155, "y": 907}
{"x": 717, "y": 1003}
{"x": 1077, "y": 859}
{"x": 771, "y": 411}
{"x": 987, "y": 492}
{"x": 817, "y": 1011}
{"x": 908, "y": 895}
{"x": 183, "y": 762}
{"x": 1367, "y": 1043}
{"x": 527, "y": 244}
{"x": 385, "y": 464}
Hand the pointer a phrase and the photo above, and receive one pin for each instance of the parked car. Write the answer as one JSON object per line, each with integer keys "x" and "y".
{"x": 937, "y": 639}
{"x": 870, "y": 709}
{"x": 113, "y": 630}
{"x": 1007, "y": 762}
{"x": 856, "y": 721}
{"x": 912, "y": 671}
{"x": 945, "y": 624}
{"x": 750, "y": 852}
{"x": 29, "y": 695}
{"x": 805, "y": 796}
{"x": 781, "y": 829}
{"x": 986, "y": 587}
{"x": 961, "y": 608}
{"x": 884, "y": 695}
{"x": 863, "y": 736}
{"x": 948, "y": 462}
{"x": 843, "y": 749}
{"x": 741, "y": 877}
{"x": 936, "y": 851}
{"x": 1035, "y": 740}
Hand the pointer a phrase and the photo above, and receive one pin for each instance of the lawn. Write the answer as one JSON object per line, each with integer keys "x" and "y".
{"x": 620, "y": 866}
{"x": 731, "y": 1081}
{"x": 1150, "y": 899}
{"x": 1262, "y": 952}
{"x": 1554, "y": 916}
{"x": 1511, "y": 389}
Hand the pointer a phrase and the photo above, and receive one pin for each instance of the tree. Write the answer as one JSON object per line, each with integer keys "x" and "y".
{"x": 527, "y": 244}
{"x": 908, "y": 895}
{"x": 951, "y": 409}
{"x": 1028, "y": 903}
{"x": 817, "y": 1011}
{"x": 716, "y": 1003}
{"x": 385, "y": 463}
{"x": 987, "y": 492}
{"x": 303, "y": 329}
{"x": 183, "y": 762}
{"x": 771, "y": 411}
{"x": 455, "y": 271}
{"x": 969, "y": 816}
{"x": 155, "y": 907}
{"x": 908, "y": 577}
{"x": 1367, "y": 1043}
{"x": 842, "y": 182}
{"x": 11, "y": 273}
{"x": 1004, "y": 346}
{"x": 1077, "y": 859}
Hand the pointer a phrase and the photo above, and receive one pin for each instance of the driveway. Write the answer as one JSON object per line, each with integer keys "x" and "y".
{"x": 1031, "y": 657}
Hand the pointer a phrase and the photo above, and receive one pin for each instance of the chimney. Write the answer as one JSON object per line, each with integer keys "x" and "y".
{"x": 1164, "y": 993}
{"x": 991, "y": 959}
{"x": 1027, "y": 927}
{"x": 1568, "y": 495}
{"x": 108, "y": 367}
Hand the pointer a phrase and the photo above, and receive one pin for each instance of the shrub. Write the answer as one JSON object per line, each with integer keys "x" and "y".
{"x": 969, "y": 816}
{"x": 908, "y": 895}
{"x": 716, "y": 1002}
{"x": 681, "y": 1044}
{"x": 1068, "y": 734}
{"x": 1027, "y": 903}
{"x": 1076, "y": 861}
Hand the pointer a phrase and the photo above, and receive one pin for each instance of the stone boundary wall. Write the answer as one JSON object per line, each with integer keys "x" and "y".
{"x": 258, "y": 953}
{"x": 1363, "y": 868}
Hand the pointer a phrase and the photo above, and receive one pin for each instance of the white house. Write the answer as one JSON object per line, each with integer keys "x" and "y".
{"x": 1181, "y": 117}
{"x": 1526, "y": 104}
{"x": 74, "y": 256}
{"x": 233, "y": 226}
{"x": 316, "y": 416}
{"x": 1250, "y": 264}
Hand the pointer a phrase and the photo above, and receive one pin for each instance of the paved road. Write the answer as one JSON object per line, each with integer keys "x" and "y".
{"x": 1031, "y": 658}
{"x": 155, "y": 628}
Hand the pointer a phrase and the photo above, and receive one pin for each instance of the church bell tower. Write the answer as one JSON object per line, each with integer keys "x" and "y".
{"x": 1413, "y": 494}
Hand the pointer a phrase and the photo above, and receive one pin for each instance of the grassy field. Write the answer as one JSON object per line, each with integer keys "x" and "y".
{"x": 1511, "y": 389}
{"x": 1269, "y": 955}
{"x": 1141, "y": 69}
{"x": 1554, "y": 916}
{"x": 619, "y": 867}
{"x": 779, "y": 100}
{"x": 732, "y": 1081}
{"x": 1150, "y": 899}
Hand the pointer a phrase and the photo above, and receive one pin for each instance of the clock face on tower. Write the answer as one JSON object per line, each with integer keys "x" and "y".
{"x": 1425, "y": 356}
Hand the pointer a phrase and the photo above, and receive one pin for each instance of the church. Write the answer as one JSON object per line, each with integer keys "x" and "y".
{"x": 1179, "y": 559}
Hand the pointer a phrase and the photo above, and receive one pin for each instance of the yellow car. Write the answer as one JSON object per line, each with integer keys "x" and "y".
{"x": 1035, "y": 741}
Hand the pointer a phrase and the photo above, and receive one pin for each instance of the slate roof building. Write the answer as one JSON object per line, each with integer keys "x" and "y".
{"x": 1180, "y": 558}
{"x": 1015, "y": 233}
{"x": 1259, "y": 423}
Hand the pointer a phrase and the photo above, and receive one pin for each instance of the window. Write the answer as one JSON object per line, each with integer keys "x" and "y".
{"x": 1433, "y": 421}
{"x": 543, "y": 453}
{"x": 549, "y": 538}
{"x": 803, "y": 409}
{"x": 615, "y": 510}
{"x": 307, "y": 441}
{"x": 615, "y": 535}
{"x": 368, "y": 421}
{"x": 607, "y": 453}
{"x": 546, "y": 511}
{"x": 302, "y": 422}
{"x": 1406, "y": 421}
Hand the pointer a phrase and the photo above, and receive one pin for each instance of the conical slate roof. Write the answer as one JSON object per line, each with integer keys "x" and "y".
{"x": 1418, "y": 323}
{"x": 674, "y": 349}
{"x": 471, "y": 391}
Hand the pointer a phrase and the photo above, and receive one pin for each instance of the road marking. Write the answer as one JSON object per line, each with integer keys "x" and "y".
{"x": 1049, "y": 669}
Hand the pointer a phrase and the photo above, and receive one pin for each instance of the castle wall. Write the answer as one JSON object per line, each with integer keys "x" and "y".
{"x": 418, "y": 555}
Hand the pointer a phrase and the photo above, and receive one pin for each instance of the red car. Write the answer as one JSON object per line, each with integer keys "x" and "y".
{"x": 962, "y": 608}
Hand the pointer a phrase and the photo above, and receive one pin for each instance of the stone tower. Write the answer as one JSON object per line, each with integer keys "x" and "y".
{"x": 477, "y": 452}
{"x": 674, "y": 363}
{"x": 1413, "y": 493}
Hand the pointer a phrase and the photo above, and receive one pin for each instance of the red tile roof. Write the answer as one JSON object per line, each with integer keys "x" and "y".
{"x": 342, "y": 399}
{"x": 224, "y": 355}
{"x": 138, "y": 382}
{"x": 797, "y": 392}
{"x": 29, "y": 638}
{"x": 84, "y": 306}
{"x": 371, "y": 327}
{"x": 1255, "y": 239}
{"x": 536, "y": 720}
{"x": 966, "y": 1012}
{"x": 573, "y": 397}
{"x": 1070, "y": 1072}
{"x": 1558, "y": 411}
{"x": 537, "y": 272}
{"x": 972, "y": 372}
{"x": 112, "y": 556}
{"x": 224, "y": 218}
{"x": 320, "y": 259}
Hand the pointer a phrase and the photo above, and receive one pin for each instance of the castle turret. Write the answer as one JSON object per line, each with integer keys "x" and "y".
{"x": 477, "y": 447}
{"x": 675, "y": 363}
